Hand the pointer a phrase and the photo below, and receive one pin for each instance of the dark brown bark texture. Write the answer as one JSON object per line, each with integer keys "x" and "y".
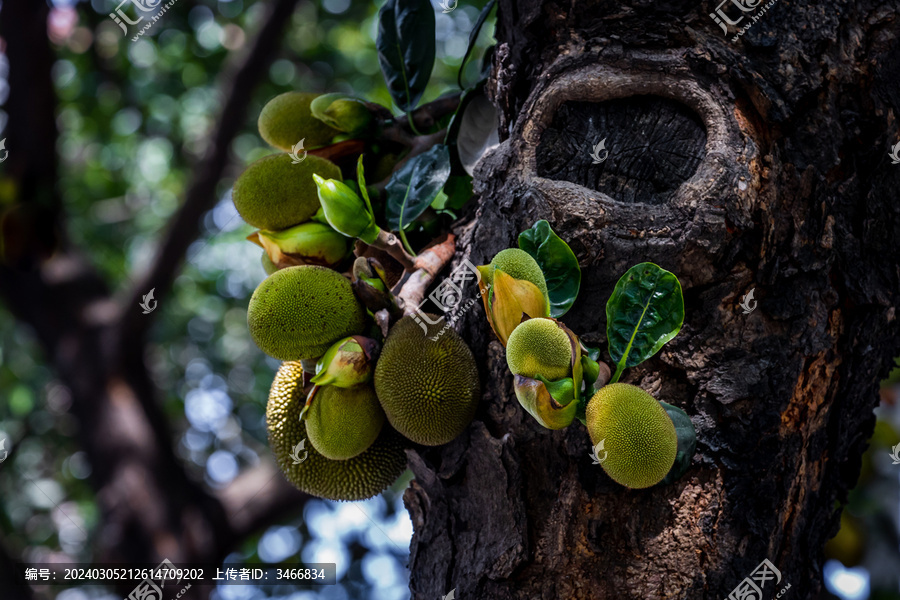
{"x": 756, "y": 164}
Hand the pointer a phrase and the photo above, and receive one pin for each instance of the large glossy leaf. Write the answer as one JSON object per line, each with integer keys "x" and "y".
{"x": 415, "y": 185}
{"x": 558, "y": 263}
{"x": 473, "y": 35}
{"x": 645, "y": 310}
{"x": 406, "y": 47}
{"x": 687, "y": 442}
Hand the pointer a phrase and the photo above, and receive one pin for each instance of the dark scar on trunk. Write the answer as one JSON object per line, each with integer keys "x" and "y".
{"x": 654, "y": 144}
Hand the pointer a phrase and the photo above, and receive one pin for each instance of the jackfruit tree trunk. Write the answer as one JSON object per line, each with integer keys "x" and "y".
{"x": 752, "y": 163}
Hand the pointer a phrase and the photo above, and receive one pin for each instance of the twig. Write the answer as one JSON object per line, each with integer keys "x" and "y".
{"x": 427, "y": 265}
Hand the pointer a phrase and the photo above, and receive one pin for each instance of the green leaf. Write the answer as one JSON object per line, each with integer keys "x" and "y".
{"x": 687, "y": 442}
{"x": 558, "y": 263}
{"x": 458, "y": 189}
{"x": 645, "y": 310}
{"x": 406, "y": 49}
{"x": 473, "y": 36}
{"x": 412, "y": 189}
{"x": 361, "y": 182}
{"x": 563, "y": 390}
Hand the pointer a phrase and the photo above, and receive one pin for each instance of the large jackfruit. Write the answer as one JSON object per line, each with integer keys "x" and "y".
{"x": 287, "y": 118}
{"x": 639, "y": 437}
{"x": 358, "y": 478}
{"x": 298, "y": 312}
{"x": 429, "y": 388}
{"x": 273, "y": 193}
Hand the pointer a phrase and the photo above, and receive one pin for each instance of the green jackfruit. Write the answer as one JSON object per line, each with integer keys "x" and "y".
{"x": 520, "y": 265}
{"x": 268, "y": 266}
{"x": 639, "y": 437}
{"x": 539, "y": 347}
{"x": 273, "y": 193}
{"x": 298, "y": 312}
{"x": 286, "y": 119}
{"x": 429, "y": 388}
{"x": 344, "y": 422}
{"x": 356, "y": 478}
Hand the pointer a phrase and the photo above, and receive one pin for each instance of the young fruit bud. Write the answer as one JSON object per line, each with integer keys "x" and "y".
{"x": 342, "y": 112}
{"x": 507, "y": 299}
{"x": 345, "y": 210}
{"x": 307, "y": 243}
{"x": 551, "y": 413}
{"x": 348, "y": 362}
{"x": 541, "y": 347}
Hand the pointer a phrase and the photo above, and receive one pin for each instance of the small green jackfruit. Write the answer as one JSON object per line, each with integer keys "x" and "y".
{"x": 539, "y": 347}
{"x": 344, "y": 422}
{"x": 273, "y": 193}
{"x": 298, "y": 312}
{"x": 639, "y": 437}
{"x": 357, "y": 478}
{"x": 427, "y": 382}
{"x": 268, "y": 266}
{"x": 520, "y": 265}
{"x": 286, "y": 119}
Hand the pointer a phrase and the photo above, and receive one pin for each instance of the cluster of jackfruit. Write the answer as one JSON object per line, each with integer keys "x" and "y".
{"x": 637, "y": 435}
{"x": 340, "y": 413}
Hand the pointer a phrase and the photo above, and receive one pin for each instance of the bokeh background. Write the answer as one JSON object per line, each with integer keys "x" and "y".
{"x": 133, "y": 118}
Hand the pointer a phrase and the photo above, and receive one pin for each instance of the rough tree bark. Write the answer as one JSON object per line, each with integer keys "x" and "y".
{"x": 756, "y": 164}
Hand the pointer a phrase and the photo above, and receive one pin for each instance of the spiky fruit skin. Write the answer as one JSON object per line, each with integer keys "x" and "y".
{"x": 429, "y": 389}
{"x": 640, "y": 438}
{"x": 274, "y": 194}
{"x": 357, "y": 478}
{"x": 521, "y": 265}
{"x": 298, "y": 312}
{"x": 344, "y": 422}
{"x": 286, "y": 119}
{"x": 539, "y": 347}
